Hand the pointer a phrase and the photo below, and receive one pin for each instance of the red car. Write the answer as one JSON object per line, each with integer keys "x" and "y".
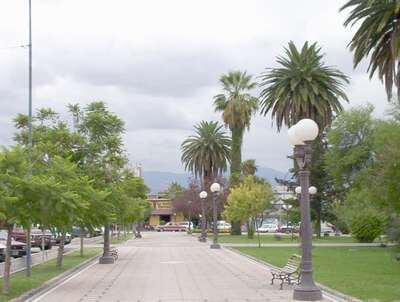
{"x": 171, "y": 227}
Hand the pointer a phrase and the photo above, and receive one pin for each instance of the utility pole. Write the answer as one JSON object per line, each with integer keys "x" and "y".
{"x": 30, "y": 143}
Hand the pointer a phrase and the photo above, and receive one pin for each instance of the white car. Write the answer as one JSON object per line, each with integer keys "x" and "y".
{"x": 268, "y": 228}
{"x": 223, "y": 225}
{"x": 186, "y": 224}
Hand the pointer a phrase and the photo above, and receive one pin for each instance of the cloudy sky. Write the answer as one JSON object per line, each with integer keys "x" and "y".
{"x": 156, "y": 63}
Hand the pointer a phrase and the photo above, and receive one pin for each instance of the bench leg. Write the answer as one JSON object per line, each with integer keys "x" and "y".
{"x": 282, "y": 281}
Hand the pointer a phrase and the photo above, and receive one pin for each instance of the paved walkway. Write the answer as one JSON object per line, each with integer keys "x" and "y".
{"x": 171, "y": 267}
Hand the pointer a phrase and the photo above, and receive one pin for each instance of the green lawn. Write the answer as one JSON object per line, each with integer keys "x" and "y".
{"x": 269, "y": 238}
{"x": 43, "y": 272}
{"x": 122, "y": 238}
{"x": 370, "y": 274}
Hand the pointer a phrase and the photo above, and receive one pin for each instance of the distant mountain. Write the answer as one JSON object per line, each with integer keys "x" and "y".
{"x": 158, "y": 181}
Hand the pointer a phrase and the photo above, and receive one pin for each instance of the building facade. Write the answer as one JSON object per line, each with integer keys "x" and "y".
{"x": 163, "y": 211}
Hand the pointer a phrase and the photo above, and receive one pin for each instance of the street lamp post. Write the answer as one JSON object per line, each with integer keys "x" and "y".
{"x": 190, "y": 215}
{"x": 301, "y": 135}
{"x": 287, "y": 208}
{"x": 215, "y": 188}
{"x": 203, "y": 236}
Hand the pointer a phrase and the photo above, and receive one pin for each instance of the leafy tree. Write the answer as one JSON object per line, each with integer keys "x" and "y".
{"x": 350, "y": 142}
{"x": 237, "y": 106}
{"x": 377, "y": 38}
{"x": 103, "y": 156}
{"x": 13, "y": 205}
{"x": 174, "y": 190}
{"x": 302, "y": 87}
{"x": 248, "y": 200}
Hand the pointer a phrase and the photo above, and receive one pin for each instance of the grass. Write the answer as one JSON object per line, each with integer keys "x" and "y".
{"x": 122, "y": 238}
{"x": 269, "y": 238}
{"x": 367, "y": 273}
{"x": 44, "y": 272}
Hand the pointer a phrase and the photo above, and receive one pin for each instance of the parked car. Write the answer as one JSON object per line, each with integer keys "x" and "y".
{"x": 268, "y": 228}
{"x": 288, "y": 229}
{"x": 67, "y": 240}
{"x": 223, "y": 226}
{"x": 186, "y": 224}
{"x": 171, "y": 227}
{"x": 36, "y": 237}
{"x": 18, "y": 249}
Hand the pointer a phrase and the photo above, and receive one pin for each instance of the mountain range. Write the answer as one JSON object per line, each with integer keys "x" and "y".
{"x": 158, "y": 180}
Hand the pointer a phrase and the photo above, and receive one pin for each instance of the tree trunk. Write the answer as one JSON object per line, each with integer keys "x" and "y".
{"x": 7, "y": 264}
{"x": 28, "y": 252}
{"x": 43, "y": 245}
{"x": 81, "y": 237}
{"x": 236, "y": 161}
{"x": 60, "y": 251}
{"x": 236, "y": 150}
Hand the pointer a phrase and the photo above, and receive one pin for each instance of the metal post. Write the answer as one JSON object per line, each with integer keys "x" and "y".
{"x": 203, "y": 236}
{"x": 215, "y": 244}
{"x": 306, "y": 290}
{"x": 30, "y": 140}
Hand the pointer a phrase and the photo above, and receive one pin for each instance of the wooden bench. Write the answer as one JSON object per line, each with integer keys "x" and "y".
{"x": 289, "y": 273}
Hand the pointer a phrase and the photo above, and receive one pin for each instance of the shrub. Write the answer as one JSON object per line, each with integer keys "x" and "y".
{"x": 367, "y": 225}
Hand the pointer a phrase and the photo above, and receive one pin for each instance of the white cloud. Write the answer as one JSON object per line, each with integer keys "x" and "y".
{"x": 157, "y": 63}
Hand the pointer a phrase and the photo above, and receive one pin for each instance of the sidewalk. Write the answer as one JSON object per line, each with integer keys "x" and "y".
{"x": 171, "y": 267}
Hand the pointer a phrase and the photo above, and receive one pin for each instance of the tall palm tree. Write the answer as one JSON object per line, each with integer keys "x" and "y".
{"x": 249, "y": 167}
{"x": 302, "y": 87}
{"x": 207, "y": 153}
{"x": 237, "y": 106}
{"x": 377, "y": 38}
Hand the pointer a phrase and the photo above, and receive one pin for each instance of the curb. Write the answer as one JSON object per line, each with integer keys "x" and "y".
{"x": 328, "y": 292}
{"x": 54, "y": 281}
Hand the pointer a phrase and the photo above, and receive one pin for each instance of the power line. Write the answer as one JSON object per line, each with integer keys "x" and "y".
{"x": 14, "y": 47}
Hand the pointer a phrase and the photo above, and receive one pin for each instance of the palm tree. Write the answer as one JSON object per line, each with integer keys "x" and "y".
{"x": 237, "y": 107}
{"x": 207, "y": 153}
{"x": 249, "y": 167}
{"x": 302, "y": 87}
{"x": 377, "y": 38}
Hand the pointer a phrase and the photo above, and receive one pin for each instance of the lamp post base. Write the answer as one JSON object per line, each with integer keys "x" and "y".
{"x": 202, "y": 239}
{"x": 215, "y": 246}
{"x": 307, "y": 293}
{"x": 106, "y": 260}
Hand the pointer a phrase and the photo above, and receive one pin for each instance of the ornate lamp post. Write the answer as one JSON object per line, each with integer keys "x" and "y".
{"x": 215, "y": 188}
{"x": 203, "y": 236}
{"x": 301, "y": 135}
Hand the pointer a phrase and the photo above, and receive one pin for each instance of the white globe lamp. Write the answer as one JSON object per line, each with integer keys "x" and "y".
{"x": 293, "y": 138}
{"x": 203, "y": 194}
{"x": 298, "y": 190}
{"x": 215, "y": 187}
{"x": 312, "y": 190}
{"x": 306, "y": 130}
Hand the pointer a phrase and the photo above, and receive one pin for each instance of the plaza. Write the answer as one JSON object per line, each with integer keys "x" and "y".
{"x": 171, "y": 267}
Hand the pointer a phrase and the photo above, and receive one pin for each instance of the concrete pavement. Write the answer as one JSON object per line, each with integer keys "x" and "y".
{"x": 171, "y": 267}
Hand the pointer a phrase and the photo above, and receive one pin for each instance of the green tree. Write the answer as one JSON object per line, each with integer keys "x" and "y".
{"x": 377, "y": 38}
{"x": 302, "y": 87}
{"x": 102, "y": 157}
{"x": 247, "y": 201}
{"x": 350, "y": 141}
{"x": 237, "y": 106}
{"x": 207, "y": 153}
{"x": 13, "y": 202}
{"x": 248, "y": 167}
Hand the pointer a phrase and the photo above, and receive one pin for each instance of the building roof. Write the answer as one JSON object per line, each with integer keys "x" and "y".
{"x": 161, "y": 212}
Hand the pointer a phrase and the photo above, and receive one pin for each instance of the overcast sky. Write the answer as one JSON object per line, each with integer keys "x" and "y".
{"x": 157, "y": 63}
